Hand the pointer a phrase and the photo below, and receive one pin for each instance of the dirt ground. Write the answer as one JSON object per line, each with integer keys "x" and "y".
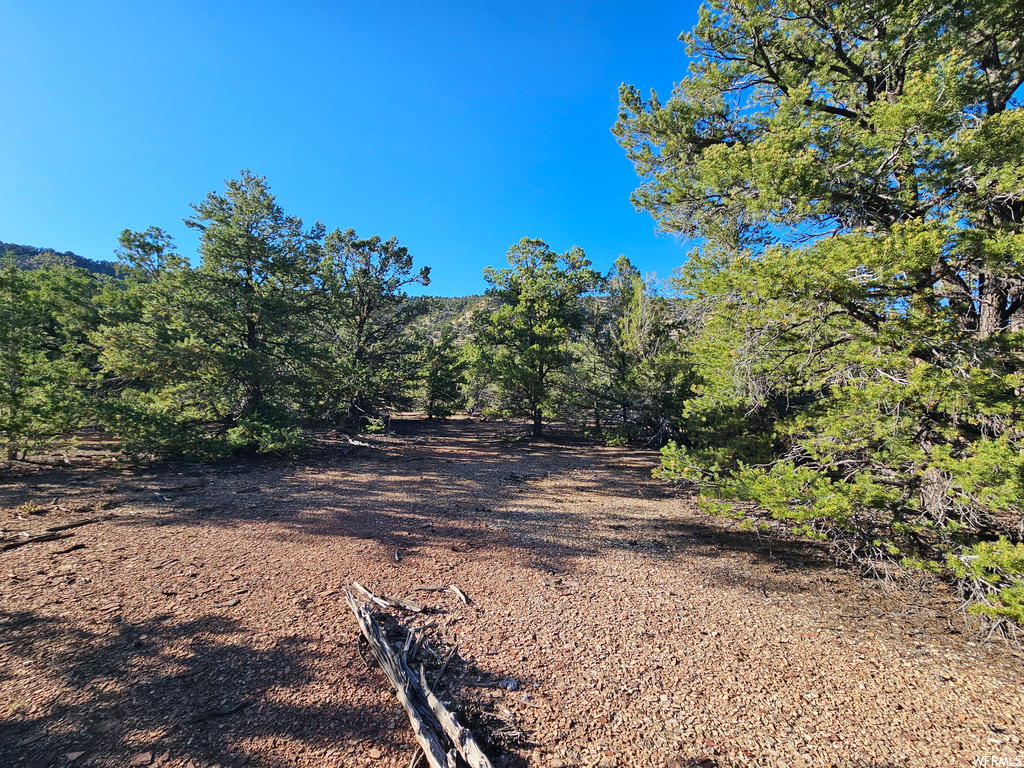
{"x": 201, "y": 620}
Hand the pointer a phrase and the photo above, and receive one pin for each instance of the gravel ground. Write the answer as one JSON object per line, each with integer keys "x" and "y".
{"x": 201, "y": 620}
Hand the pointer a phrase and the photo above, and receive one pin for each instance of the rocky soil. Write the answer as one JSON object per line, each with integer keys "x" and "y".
{"x": 200, "y": 620}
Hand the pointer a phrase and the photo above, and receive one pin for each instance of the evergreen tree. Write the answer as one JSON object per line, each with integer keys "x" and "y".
{"x": 525, "y": 341}
{"x": 635, "y": 370}
{"x": 854, "y": 172}
{"x": 368, "y": 365}
{"x": 250, "y": 299}
{"x": 46, "y": 363}
{"x": 444, "y": 375}
{"x": 213, "y": 359}
{"x": 148, "y": 395}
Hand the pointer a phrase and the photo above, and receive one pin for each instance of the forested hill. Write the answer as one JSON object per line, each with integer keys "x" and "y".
{"x": 446, "y": 312}
{"x": 29, "y": 257}
{"x": 449, "y": 312}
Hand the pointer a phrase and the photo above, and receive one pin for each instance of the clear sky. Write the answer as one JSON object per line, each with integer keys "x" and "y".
{"x": 458, "y": 127}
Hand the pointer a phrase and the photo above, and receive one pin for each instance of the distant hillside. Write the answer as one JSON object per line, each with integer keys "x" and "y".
{"x": 30, "y": 257}
{"x": 449, "y": 312}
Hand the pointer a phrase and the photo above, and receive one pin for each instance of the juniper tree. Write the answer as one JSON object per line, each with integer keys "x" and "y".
{"x": 635, "y": 370}
{"x": 444, "y": 375}
{"x": 46, "y": 362}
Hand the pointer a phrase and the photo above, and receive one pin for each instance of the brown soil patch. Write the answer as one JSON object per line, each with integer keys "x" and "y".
{"x": 203, "y": 624}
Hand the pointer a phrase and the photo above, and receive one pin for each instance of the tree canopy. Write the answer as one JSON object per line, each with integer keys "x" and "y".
{"x": 369, "y": 364}
{"x": 851, "y": 174}
{"x": 525, "y": 340}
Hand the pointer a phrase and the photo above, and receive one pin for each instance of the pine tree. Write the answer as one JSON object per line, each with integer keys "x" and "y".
{"x": 525, "y": 340}
{"x": 212, "y": 360}
{"x": 46, "y": 362}
{"x": 444, "y": 375}
{"x": 368, "y": 363}
{"x": 853, "y": 172}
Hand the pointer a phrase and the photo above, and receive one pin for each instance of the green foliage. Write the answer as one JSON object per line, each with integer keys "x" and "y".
{"x": 854, "y": 173}
{"x": 991, "y": 575}
{"x": 444, "y": 376}
{"x": 374, "y": 426}
{"x": 278, "y": 327}
{"x": 524, "y": 339}
{"x": 632, "y": 370}
{"x": 447, "y": 315}
{"x": 212, "y": 358}
{"x": 45, "y": 359}
{"x": 367, "y": 362}
{"x": 30, "y": 508}
{"x": 620, "y": 434}
{"x": 31, "y": 257}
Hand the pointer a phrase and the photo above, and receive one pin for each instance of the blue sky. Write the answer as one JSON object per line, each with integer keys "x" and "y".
{"x": 456, "y": 127}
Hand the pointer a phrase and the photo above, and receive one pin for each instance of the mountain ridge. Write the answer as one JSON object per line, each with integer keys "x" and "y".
{"x": 31, "y": 257}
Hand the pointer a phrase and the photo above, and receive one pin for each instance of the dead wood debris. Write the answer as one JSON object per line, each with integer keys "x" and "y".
{"x": 388, "y": 602}
{"x": 439, "y": 735}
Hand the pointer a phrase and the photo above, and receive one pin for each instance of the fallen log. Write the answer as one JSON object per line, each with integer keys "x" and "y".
{"x": 434, "y": 727}
{"x": 402, "y": 683}
{"x": 461, "y": 738}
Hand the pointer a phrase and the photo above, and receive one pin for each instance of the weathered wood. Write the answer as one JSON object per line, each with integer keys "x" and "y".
{"x": 444, "y": 666}
{"x": 388, "y": 602}
{"x": 460, "y": 594}
{"x": 433, "y": 725}
{"x": 401, "y": 681}
{"x": 460, "y": 737}
{"x": 369, "y": 595}
{"x": 413, "y": 644}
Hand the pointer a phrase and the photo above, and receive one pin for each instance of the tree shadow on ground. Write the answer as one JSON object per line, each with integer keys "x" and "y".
{"x": 152, "y": 679}
{"x": 199, "y": 690}
{"x": 440, "y": 486}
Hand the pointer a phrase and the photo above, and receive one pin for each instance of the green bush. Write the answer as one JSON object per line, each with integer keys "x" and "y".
{"x": 991, "y": 579}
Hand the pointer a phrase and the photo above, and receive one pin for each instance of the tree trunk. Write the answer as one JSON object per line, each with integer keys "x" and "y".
{"x": 354, "y": 417}
{"x": 252, "y": 401}
{"x": 992, "y": 300}
{"x": 253, "y": 387}
{"x": 538, "y": 423}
